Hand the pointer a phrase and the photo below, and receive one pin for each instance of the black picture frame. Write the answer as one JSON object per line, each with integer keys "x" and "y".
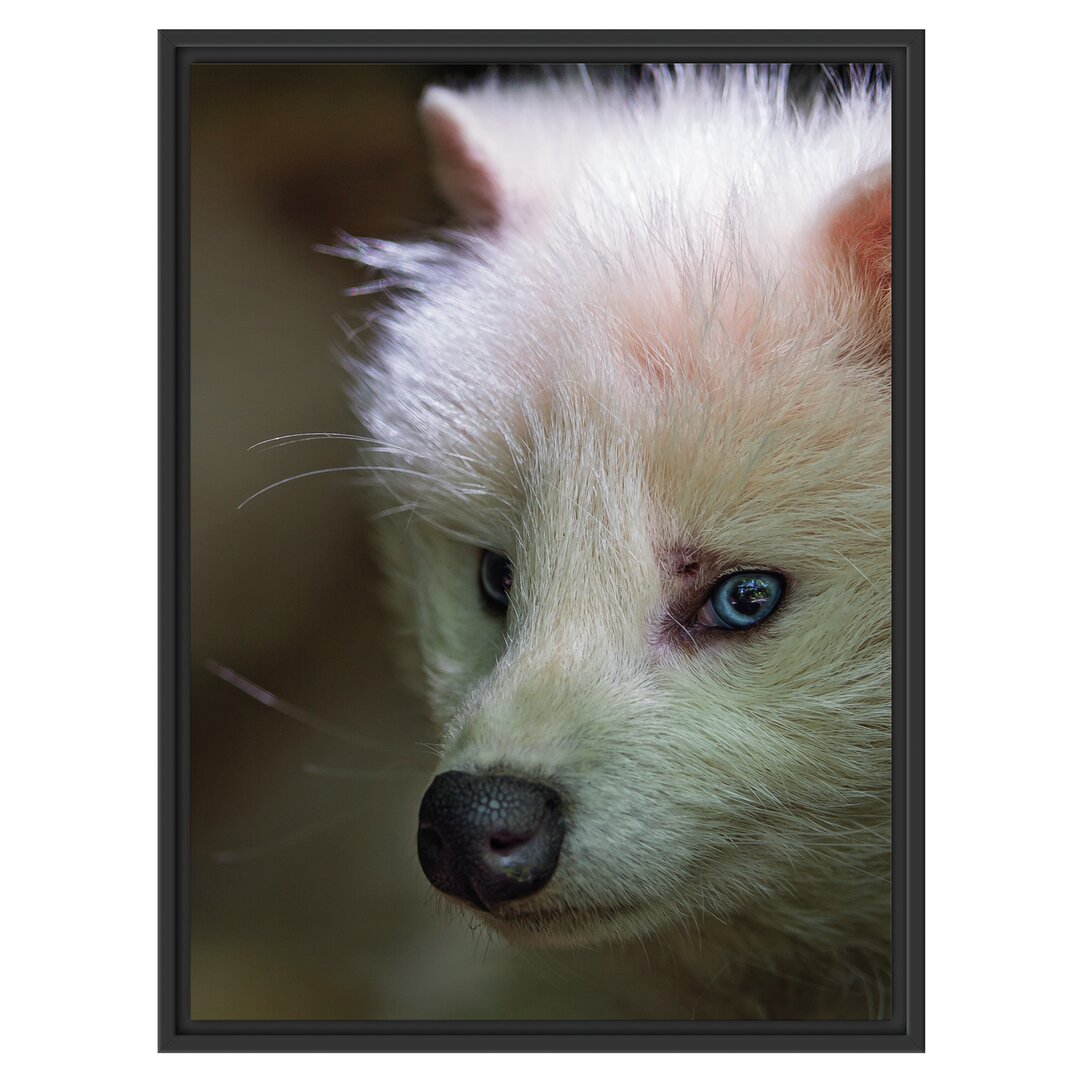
{"x": 904, "y": 51}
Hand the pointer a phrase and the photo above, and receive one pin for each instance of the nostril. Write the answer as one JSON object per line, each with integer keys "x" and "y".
{"x": 502, "y": 843}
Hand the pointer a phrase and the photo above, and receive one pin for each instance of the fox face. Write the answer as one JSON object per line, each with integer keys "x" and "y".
{"x": 632, "y": 427}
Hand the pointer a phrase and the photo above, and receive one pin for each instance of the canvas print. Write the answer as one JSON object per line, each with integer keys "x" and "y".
{"x": 541, "y": 503}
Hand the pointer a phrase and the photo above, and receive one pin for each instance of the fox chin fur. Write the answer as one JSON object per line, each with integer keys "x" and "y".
{"x": 655, "y": 352}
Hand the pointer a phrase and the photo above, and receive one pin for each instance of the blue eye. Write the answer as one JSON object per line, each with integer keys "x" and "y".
{"x": 742, "y": 600}
{"x": 496, "y": 578}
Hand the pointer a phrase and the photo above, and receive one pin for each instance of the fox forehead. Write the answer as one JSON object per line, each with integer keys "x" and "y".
{"x": 698, "y": 460}
{"x": 481, "y": 387}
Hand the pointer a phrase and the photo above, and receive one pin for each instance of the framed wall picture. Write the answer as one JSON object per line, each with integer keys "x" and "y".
{"x": 541, "y": 539}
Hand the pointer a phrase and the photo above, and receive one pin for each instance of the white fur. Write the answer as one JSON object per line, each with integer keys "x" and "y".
{"x": 645, "y": 355}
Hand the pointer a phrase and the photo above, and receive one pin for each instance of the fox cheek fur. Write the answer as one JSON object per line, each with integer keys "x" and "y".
{"x": 655, "y": 354}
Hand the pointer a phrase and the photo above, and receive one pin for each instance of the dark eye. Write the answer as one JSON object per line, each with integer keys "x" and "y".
{"x": 496, "y": 578}
{"x": 742, "y": 600}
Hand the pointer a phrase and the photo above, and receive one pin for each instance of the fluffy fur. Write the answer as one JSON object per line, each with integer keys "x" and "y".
{"x": 655, "y": 353}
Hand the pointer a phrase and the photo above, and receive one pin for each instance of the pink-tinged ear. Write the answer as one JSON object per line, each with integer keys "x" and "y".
{"x": 859, "y": 233}
{"x": 463, "y": 163}
{"x": 858, "y": 241}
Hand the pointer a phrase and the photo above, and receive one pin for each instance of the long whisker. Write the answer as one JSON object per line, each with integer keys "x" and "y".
{"x": 371, "y": 469}
{"x": 272, "y": 701}
{"x": 307, "y": 436}
{"x": 235, "y": 855}
{"x": 301, "y": 476}
{"x": 375, "y": 446}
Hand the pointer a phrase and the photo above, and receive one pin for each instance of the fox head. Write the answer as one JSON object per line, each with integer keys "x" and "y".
{"x": 632, "y": 427}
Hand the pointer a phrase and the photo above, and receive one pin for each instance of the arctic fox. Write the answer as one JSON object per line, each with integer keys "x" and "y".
{"x": 632, "y": 419}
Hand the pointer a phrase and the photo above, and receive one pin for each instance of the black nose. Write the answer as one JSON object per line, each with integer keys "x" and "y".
{"x": 487, "y": 839}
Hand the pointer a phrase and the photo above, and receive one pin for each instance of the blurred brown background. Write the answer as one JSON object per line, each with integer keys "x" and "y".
{"x": 307, "y": 899}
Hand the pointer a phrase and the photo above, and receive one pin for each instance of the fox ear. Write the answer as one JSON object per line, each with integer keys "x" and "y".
{"x": 463, "y": 159}
{"x": 857, "y": 239}
{"x": 858, "y": 234}
{"x": 489, "y": 150}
